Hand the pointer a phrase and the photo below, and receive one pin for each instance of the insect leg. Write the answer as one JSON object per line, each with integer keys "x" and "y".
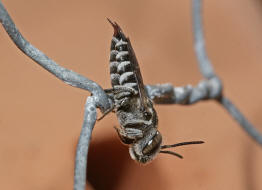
{"x": 122, "y": 95}
{"x": 123, "y": 138}
{"x": 111, "y": 96}
{"x": 132, "y": 133}
{"x": 109, "y": 90}
{"x": 121, "y": 88}
{"x": 106, "y": 112}
{"x": 122, "y": 103}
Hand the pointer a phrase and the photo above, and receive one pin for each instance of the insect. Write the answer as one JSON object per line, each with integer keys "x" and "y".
{"x": 135, "y": 112}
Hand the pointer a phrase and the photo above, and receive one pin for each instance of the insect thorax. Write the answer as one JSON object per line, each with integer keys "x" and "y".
{"x": 131, "y": 114}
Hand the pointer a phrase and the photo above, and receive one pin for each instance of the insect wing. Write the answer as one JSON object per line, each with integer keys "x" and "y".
{"x": 138, "y": 76}
{"x": 134, "y": 64}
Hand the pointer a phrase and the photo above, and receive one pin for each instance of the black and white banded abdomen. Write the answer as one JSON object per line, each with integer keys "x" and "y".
{"x": 121, "y": 71}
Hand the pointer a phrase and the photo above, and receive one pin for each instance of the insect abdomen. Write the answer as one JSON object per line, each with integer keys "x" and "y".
{"x": 120, "y": 66}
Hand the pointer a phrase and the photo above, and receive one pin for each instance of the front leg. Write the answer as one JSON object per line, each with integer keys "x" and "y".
{"x": 122, "y": 104}
{"x": 129, "y": 135}
{"x": 112, "y": 109}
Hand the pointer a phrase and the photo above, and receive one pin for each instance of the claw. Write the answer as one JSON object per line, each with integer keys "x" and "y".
{"x": 106, "y": 112}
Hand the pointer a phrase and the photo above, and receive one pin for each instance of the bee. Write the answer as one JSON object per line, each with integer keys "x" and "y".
{"x": 134, "y": 109}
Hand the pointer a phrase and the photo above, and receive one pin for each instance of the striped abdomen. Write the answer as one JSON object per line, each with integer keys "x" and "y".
{"x": 121, "y": 71}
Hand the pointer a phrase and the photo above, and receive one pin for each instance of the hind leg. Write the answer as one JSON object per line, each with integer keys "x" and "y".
{"x": 119, "y": 88}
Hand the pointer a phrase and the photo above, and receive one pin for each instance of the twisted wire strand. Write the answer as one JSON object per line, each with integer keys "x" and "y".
{"x": 185, "y": 95}
{"x": 69, "y": 77}
{"x": 83, "y": 144}
{"x": 207, "y": 71}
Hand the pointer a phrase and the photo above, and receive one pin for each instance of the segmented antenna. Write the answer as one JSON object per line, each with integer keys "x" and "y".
{"x": 175, "y": 145}
{"x": 172, "y": 153}
{"x": 182, "y": 144}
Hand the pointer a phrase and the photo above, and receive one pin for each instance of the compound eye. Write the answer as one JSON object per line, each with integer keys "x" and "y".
{"x": 153, "y": 145}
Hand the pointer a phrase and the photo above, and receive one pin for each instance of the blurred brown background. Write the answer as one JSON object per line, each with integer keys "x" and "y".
{"x": 41, "y": 117}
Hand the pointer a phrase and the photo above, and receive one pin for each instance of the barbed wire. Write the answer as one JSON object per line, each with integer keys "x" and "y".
{"x": 208, "y": 89}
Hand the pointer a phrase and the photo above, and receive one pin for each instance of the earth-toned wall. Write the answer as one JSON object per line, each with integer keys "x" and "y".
{"x": 41, "y": 117}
